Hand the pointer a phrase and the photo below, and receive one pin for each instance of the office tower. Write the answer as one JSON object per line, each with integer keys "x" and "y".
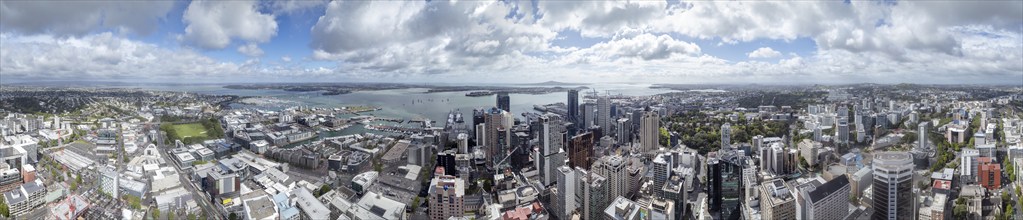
{"x": 446, "y": 197}
{"x": 893, "y": 185}
{"x": 504, "y": 101}
{"x": 624, "y": 131}
{"x": 580, "y": 150}
{"x": 589, "y": 114}
{"x": 726, "y": 135}
{"x": 604, "y": 114}
{"x": 819, "y": 199}
{"x": 714, "y": 178}
{"x": 594, "y": 195}
{"x": 842, "y": 130}
{"x": 478, "y": 117}
{"x": 565, "y": 202}
{"x": 552, "y": 139}
{"x": 497, "y": 135}
{"x": 649, "y": 131}
{"x": 573, "y": 108}
{"x": 613, "y": 169}
{"x": 776, "y": 200}
{"x": 922, "y": 135}
{"x": 817, "y": 134}
{"x": 989, "y": 173}
{"x": 463, "y": 143}
{"x": 968, "y": 163}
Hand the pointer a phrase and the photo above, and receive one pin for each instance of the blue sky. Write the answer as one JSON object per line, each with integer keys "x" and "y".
{"x": 514, "y": 41}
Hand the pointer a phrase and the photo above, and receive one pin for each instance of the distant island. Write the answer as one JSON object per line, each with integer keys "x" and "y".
{"x": 345, "y": 88}
{"x": 554, "y": 83}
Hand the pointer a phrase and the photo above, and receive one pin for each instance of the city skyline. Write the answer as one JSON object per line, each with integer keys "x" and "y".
{"x": 772, "y": 42}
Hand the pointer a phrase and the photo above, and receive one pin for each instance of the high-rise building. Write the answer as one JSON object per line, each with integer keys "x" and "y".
{"x": 604, "y": 114}
{"x": 650, "y": 131}
{"x": 504, "y": 101}
{"x": 819, "y": 199}
{"x": 580, "y": 150}
{"x": 893, "y": 185}
{"x": 613, "y": 168}
{"x": 588, "y": 114}
{"x": 714, "y": 178}
{"x": 776, "y": 200}
{"x": 594, "y": 195}
{"x": 573, "y": 108}
{"x": 565, "y": 202}
{"x": 726, "y": 135}
{"x": 624, "y": 131}
{"x": 968, "y": 173}
{"x": 552, "y": 141}
{"x": 497, "y": 135}
{"x": 922, "y": 135}
{"x": 842, "y": 130}
{"x": 447, "y": 197}
{"x": 662, "y": 169}
{"x": 463, "y": 143}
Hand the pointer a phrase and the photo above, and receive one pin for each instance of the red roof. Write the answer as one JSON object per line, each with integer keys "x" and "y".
{"x": 942, "y": 184}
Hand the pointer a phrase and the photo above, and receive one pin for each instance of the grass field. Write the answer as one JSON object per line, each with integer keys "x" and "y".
{"x": 190, "y": 130}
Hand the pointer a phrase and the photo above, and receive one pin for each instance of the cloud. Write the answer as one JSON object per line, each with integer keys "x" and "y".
{"x": 82, "y": 17}
{"x": 251, "y": 50}
{"x": 764, "y": 52}
{"x": 214, "y": 24}
{"x": 416, "y": 37}
{"x": 286, "y": 59}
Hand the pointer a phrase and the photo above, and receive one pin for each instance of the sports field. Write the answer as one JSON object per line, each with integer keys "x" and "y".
{"x": 189, "y": 130}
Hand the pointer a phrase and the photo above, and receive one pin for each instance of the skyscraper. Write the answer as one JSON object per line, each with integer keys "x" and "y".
{"x": 497, "y": 134}
{"x": 504, "y": 101}
{"x": 714, "y": 197}
{"x": 624, "y": 131}
{"x": 552, "y": 141}
{"x": 604, "y": 114}
{"x": 594, "y": 195}
{"x": 613, "y": 169}
{"x": 580, "y": 149}
{"x": 649, "y": 131}
{"x": 573, "y": 108}
{"x": 588, "y": 115}
{"x": 726, "y": 135}
{"x": 776, "y": 200}
{"x": 922, "y": 135}
{"x": 893, "y": 183}
{"x": 565, "y": 202}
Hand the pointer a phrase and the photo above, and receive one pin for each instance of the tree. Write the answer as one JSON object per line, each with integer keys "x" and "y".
{"x": 959, "y": 212}
{"x": 156, "y": 213}
{"x": 170, "y": 214}
{"x": 323, "y": 190}
{"x": 4, "y": 210}
{"x": 232, "y": 216}
{"x": 191, "y": 216}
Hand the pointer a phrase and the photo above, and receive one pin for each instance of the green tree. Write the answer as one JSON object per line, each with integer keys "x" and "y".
{"x": 232, "y": 216}
{"x": 170, "y": 215}
{"x": 665, "y": 138}
{"x": 4, "y": 210}
{"x": 191, "y": 216}
{"x": 156, "y": 213}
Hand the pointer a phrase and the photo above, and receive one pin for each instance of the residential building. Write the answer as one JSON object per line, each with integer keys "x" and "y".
{"x": 650, "y": 132}
{"x": 447, "y": 195}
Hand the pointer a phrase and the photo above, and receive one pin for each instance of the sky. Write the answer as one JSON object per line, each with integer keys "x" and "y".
{"x": 684, "y": 42}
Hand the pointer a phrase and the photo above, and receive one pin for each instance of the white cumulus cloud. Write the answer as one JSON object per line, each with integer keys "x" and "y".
{"x": 764, "y": 52}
